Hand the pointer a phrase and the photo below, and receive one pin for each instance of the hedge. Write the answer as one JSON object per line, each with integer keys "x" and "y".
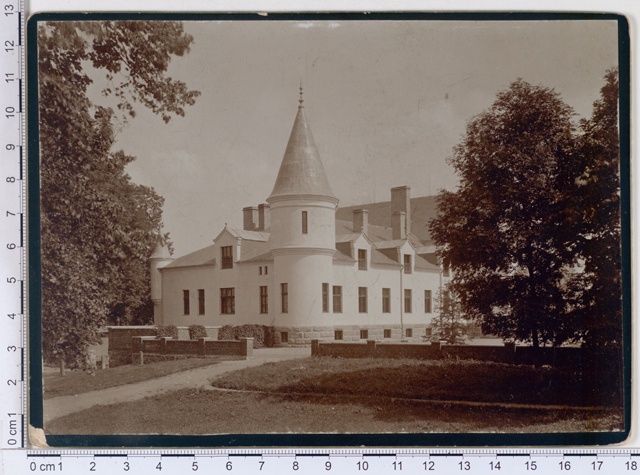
{"x": 167, "y": 331}
{"x": 197, "y": 331}
{"x": 262, "y": 335}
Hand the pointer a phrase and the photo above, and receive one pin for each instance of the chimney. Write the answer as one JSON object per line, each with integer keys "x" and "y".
{"x": 249, "y": 218}
{"x": 361, "y": 221}
{"x": 264, "y": 217}
{"x": 401, "y": 201}
{"x": 399, "y": 225}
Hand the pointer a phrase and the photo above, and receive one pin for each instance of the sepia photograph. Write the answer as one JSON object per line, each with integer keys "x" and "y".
{"x": 330, "y": 224}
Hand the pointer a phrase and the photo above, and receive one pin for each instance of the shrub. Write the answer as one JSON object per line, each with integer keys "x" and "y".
{"x": 197, "y": 331}
{"x": 262, "y": 335}
{"x": 168, "y": 331}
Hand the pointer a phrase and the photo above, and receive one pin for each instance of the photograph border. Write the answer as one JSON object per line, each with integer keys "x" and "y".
{"x": 321, "y": 439}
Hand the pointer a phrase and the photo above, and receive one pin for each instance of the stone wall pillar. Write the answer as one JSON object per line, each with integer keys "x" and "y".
{"x": 371, "y": 347}
{"x": 247, "y": 347}
{"x": 202, "y": 346}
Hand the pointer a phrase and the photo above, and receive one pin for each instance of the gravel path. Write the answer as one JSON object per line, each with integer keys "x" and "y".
{"x": 195, "y": 378}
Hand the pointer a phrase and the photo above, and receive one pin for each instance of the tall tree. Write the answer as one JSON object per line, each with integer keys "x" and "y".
{"x": 97, "y": 227}
{"x": 504, "y": 231}
{"x": 598, "y": 191}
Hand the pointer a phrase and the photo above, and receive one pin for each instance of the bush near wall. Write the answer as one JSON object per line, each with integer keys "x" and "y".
{"x": 262, "y": 335}
{"x": 197, "y": 331}
{"x": 167, "y": 331}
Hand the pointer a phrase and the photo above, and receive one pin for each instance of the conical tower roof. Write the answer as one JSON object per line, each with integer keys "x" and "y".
{"x": 301, "y": 171}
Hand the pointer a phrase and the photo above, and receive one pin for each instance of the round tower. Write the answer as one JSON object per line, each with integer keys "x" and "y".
{"x": 302, "y": 208}
{"x": 159, "y": 259}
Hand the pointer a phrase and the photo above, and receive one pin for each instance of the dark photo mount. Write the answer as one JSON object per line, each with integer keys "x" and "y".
{"x": 215, "y": 159}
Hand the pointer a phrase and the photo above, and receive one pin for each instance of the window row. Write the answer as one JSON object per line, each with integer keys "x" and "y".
{"x": 227, "y": 300}
{"x": 364, "y": 333}
{"x": 363, "y": 304}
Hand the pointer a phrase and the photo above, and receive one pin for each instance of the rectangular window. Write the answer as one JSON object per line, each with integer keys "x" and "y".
{"x": 407, "y": 300}
{"x": 228, "y": 301}
{"x": 362, "y": 259}
{"x": 362, "y": 299}
{"x": 407, "y": 264}
{"x": 386, "y": 300}
{"x": 284, "y": 337}
{"x": 264, "y": 300}
{"x": 337, "y": 299}
{"x": 305, "y": 227}
{"x": 266, "y": 270}
{"x": 200, "y": 301}
{"x": 260, "y": 271}
{"x": 227, "y": 257}
{"x": 446, "y": 272}
{"x": 284, "y": 297}
{"x": 387, "y": 333}
{"x": 364, "y": 334}
{"x": 337, "y": 335}
{"x": 427, "y": 301}
{"x": 325, "y": 297}
{"x": 185, "y": 302}
{"x": 409, "y": 332}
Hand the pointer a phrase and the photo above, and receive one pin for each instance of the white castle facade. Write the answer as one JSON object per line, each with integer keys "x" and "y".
{"x": 307, "y": 268}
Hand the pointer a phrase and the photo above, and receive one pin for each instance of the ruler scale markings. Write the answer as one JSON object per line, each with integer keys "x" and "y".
{"x": 175, "y": 455}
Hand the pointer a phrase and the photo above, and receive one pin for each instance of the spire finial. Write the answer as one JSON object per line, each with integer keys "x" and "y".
{"x": 301, "y": 100}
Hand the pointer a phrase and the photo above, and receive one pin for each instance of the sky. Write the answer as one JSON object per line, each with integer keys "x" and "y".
{"x": 386, "y": 102}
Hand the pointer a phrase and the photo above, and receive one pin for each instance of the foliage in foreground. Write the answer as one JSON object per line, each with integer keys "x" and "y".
{"x": 533, "y": 232}
{"x": 98, "y": 229}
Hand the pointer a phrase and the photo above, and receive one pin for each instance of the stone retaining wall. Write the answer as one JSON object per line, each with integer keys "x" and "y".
{"x": 143, "y": 347}
{"x": 509, "y": 353}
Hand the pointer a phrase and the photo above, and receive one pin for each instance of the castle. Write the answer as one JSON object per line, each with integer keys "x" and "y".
{"x": 306, "y": 267}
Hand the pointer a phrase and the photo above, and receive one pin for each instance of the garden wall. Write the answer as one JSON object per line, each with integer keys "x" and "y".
{"x": 120, "y": 340}
{"x": 561, "y": 357}
{"x": 144, "y": 347}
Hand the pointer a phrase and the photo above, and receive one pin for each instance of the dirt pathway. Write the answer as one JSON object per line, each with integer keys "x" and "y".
{"x": 195, "y": 378}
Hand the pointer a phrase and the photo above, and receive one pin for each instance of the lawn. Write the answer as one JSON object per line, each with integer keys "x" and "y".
{"x": 197, "y": 412}
{"x": 360, "y": 396}
{"x": 462, "y": 380}
{"x": 76, "y": 382}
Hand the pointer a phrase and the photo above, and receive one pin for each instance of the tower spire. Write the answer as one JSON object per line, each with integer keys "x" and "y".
{"x": 301, "y": 99}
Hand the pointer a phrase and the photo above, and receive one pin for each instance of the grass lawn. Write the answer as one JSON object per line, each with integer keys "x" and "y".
{"x": 344, "y": 395}
{"x": 76, "y": 382}
{"x": 196, "y": 412}
{"x": 463, "y": 380}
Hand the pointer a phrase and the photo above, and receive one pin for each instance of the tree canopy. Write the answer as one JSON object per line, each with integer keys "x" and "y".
{"x": 598, "y": 194}
{"x": 503, "y": 232}
{"x": 98, "y": 228}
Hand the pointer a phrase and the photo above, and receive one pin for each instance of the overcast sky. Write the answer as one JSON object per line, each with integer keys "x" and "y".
{"x": 386, "y": 101}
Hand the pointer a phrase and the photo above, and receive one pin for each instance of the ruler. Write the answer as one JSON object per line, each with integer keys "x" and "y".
{"x": 322, "y": 461}
{"x": 13, "y": 257}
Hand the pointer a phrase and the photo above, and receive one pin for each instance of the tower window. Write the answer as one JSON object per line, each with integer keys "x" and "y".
{"x": 185, "y": 302}
{"x": 226, "y": 253}
{"x": 284, "y": 297}
{"x": 325, "y": 297}
{"x": 228, "y": 301}
{"x": 200, "y": 301}
{"x": 305, "y": 224}
{"x": 264, "y": 299}
{"x": 338, "y": 335}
